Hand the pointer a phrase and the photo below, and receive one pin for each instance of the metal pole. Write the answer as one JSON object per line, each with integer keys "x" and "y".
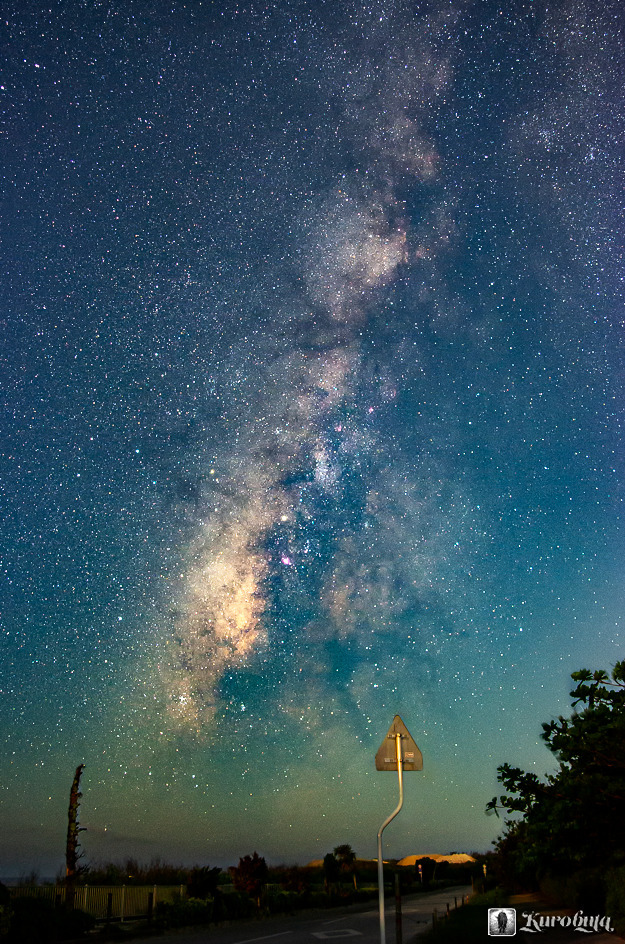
{"x": 400, "y": 775}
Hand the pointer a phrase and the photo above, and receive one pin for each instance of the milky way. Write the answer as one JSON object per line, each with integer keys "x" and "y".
{"x": 314, "y": 433}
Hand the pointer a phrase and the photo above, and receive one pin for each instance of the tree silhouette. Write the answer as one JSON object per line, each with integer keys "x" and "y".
{"x": 346, "y": 858}
{"x": 295, "y": 878}
{"x": 203, "y": 881}
{"x": 576, "y": 817}
{"x": 331, "y": 870}
{"x": 250, "y": 875}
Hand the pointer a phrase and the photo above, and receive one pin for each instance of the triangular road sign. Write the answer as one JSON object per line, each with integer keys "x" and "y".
{"x": 386, "y": 758}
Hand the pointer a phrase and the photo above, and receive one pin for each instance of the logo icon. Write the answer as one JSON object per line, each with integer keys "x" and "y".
{"x": 501, "y": 922}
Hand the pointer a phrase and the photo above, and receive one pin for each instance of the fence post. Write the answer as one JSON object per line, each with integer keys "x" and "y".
{"x": 150, "y": 906}
{"x": 398, "y": 927}
{"x": 109, "y": 908}
{"x": 122, "y": 901}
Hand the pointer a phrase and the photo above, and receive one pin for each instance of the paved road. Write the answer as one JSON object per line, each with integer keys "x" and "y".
{"x": 353, "y": 927}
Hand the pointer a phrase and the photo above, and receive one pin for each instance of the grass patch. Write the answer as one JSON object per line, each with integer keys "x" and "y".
{"x": 468, "y": 924}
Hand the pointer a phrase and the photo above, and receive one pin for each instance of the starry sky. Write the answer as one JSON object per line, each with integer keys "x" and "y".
{"x": 312, "y": 406}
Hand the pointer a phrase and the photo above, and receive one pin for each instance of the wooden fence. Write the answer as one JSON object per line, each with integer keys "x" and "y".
{"x": 116, "y": 902}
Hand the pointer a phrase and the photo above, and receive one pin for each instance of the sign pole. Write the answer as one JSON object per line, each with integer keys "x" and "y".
{"x": 407, "y": 757}
{"x": 400, "y": 775}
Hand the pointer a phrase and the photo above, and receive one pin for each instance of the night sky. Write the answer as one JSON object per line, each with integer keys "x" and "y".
{"x": 312, "y": 407}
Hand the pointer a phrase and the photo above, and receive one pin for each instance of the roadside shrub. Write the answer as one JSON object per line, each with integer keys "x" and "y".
{"x": 32, "y": 920}
{"x": 583, "y": 889}
{"x": 35, "y": 920}
{"x": 202, "y": 882}
{"x": 292, "y": 878}
{"x": 468, "y": 924}
{"x": 282, "y": 902}
{"x": 73, "y": 924}
{"x": 615, "y": 897}
{"x": 6, "y": 912}
{"x": 236, "y": 905}
{"x": 318, "y": 899}
{"x": 183, "y": 912}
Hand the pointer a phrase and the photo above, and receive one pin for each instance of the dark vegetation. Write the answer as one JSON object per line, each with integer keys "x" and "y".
{"x": 566, "y": 837}
{"x": 157, "y": 872}
{"x": 259, "y": 889}
{"x": 250, "y": 889}
{"x": 467, "y": 924}
{"x": 36, "y": 920}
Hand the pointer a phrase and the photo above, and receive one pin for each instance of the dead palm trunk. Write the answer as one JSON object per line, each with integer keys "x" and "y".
{"x": 71, "y": 849}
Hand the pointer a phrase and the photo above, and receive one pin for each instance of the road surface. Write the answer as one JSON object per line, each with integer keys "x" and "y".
{"x": 345, "y": 926}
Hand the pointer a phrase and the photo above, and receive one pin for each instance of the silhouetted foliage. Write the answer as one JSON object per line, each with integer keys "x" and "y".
{"x": 183, "y": 912}
{"x": 6, "y": 911}
{"x": 160, "y": 873}
{"x": 575, "y": 818}
{"x": 346, "y": 857}
{"x": 132, "y": 872}
{"x": 250, "y": 875}
{"x": 294, "y": 878}
{"x": 203, "y": 881}
{"x": 331, "y": 870}
{"x": 37, "y": 921}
